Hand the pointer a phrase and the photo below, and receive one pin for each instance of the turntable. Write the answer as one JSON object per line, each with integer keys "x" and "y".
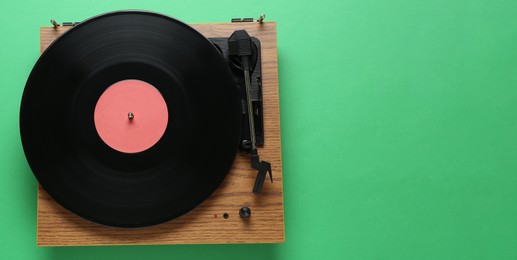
{"x": 144, "y": 130}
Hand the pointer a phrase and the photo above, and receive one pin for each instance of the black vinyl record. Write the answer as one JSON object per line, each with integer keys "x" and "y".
{"x": 88, "y": 177}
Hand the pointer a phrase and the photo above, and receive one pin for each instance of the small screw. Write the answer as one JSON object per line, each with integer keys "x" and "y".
{"x": 130, "y": 116}
{"x": 226, "y": 215}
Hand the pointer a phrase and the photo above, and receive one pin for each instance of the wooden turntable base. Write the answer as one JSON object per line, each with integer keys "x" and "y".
{"x": 205, "y": 224}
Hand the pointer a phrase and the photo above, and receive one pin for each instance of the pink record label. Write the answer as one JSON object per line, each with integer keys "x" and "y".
{"x": 131, "y": 116}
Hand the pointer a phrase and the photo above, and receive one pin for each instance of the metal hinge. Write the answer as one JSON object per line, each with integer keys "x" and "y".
{"x": 249, "y": 20}
{"x": 55, "y": 24}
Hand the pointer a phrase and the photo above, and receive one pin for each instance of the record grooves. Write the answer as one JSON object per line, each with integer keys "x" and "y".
{"x": 114, "y": 188}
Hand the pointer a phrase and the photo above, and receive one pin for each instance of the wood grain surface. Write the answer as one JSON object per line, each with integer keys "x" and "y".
{"x": 204, "y": 224}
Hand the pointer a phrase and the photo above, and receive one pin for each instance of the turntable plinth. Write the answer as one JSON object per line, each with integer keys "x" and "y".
{"x": 206, "y": 224}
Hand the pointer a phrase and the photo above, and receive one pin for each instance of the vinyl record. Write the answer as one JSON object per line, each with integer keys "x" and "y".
{"x": 118, "y": 167}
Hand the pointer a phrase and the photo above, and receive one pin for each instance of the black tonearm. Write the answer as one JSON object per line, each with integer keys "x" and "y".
{"x": 242, "y": 48}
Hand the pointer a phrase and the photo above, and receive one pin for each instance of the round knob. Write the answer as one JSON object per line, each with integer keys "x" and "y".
{"x": 245, "y": 212}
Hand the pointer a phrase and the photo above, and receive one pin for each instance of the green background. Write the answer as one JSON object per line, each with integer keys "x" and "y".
{"x": 398, "y": 128}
